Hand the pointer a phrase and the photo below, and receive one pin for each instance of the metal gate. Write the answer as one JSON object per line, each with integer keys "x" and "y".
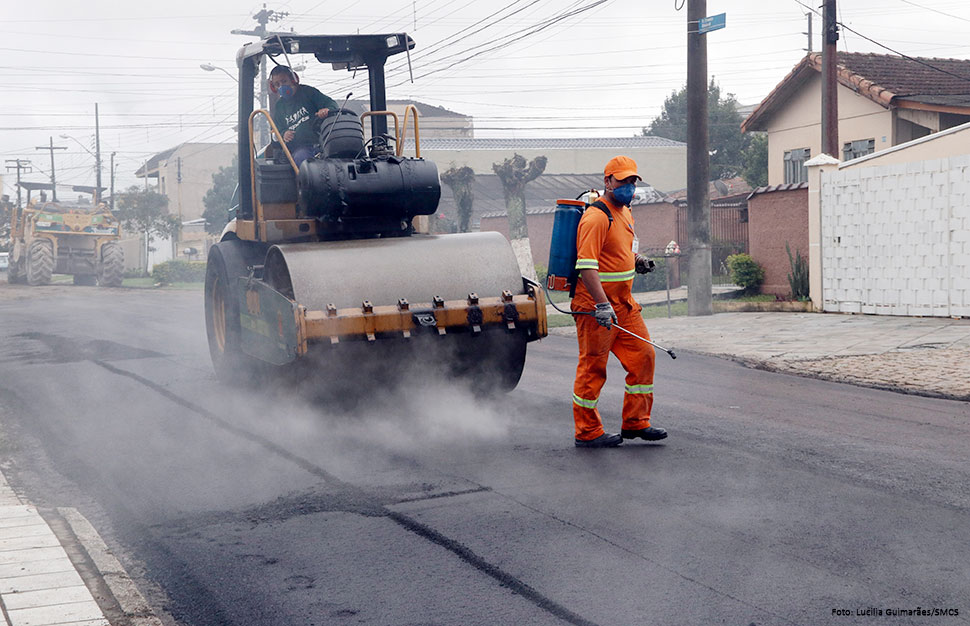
{"x": 729, "y": 235}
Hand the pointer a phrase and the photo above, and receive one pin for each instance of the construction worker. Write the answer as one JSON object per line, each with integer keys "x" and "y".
{"x": 295, "y": 110}
{"x": 607, "y": 259}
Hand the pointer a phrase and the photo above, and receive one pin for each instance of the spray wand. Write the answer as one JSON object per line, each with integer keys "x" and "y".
{"x": 655, "y": 345}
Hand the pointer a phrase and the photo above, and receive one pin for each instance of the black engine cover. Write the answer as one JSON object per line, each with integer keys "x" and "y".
{"x": 382, "y": 190}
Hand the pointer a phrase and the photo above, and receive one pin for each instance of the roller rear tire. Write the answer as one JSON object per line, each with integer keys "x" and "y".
{"x": 222, "y": 324}
{"x": 491, "y": 364}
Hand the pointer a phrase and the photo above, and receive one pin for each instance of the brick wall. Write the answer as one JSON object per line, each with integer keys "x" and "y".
{"x": 896, "y": 238}
{"x": 540, "y": 233}
{"x": 774, "y": 218}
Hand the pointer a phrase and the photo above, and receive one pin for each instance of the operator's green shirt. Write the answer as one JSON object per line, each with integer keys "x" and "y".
{"x": 297, "y": 114}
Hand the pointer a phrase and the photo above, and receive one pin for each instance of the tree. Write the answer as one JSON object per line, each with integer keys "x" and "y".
{"x": 755, "y": 160}
{"x": 461, "y": 181}
{"x": 6, "y": 214}
{"x": 146, "y": 211}
{"x": 218, "y": 200}
{"x": 726, "y": 142}
{"x": 515, "y": 174}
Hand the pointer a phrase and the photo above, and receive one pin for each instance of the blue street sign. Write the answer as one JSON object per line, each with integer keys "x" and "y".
{"x": 713, "y": 22}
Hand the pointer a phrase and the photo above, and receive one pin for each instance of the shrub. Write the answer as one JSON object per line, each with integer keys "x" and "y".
{"x": 798, "y": 278}
{"x": 745, "y": 272}
{"x": 179, "y": 272}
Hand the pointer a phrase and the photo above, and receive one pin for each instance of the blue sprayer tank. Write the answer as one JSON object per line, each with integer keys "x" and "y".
{"x": 562, "y": 249}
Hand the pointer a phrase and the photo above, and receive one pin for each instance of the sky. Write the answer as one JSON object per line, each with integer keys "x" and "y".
{"x": 522, "y": 68}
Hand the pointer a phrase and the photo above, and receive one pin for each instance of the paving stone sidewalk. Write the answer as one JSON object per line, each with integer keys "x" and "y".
{"x": 39, "y": 585}
{"x": 920, "y": 355}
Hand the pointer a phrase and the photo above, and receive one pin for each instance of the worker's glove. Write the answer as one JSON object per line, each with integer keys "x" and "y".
{"x": 604, "y": 314}
{"x": 644, "y": 265}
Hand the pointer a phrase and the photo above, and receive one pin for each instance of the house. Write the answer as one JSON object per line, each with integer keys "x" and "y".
{"x": 884, "y": 100}
{"x": 184, "y": 174}
{"x": 433, "y": 121}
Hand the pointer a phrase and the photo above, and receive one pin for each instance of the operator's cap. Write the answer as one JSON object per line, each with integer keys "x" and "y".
{"x": 621, "y": 167}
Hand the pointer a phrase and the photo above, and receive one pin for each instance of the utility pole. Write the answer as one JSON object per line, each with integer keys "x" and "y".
{"x": 830, "y": 85}
{"x": 809, "y": 33}
{"x": 52, "y": 147}
{"x": 699, "y": 301}
{"x": 111, "y": 198}
{"x": 19, "y": 165}
{"x": 264, "y": 17}
{"x": 97, "y": 157}
{"x": 178, "y": 180}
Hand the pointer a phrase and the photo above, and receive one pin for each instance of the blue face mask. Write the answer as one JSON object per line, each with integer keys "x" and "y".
{"x": 624, "y": 193}
{"x": 286, "y": 91}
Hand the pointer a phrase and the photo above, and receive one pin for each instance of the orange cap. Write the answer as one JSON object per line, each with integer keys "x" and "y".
{"x": 621, "y": 167}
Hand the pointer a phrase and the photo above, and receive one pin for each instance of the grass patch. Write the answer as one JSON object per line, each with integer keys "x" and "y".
{"x": 148, "y": 282}
{"x": 654, "y": 311}
{"x": 760, "y": 297}
{"x": 558, "y": 320}
{"x": 142, "y": 282}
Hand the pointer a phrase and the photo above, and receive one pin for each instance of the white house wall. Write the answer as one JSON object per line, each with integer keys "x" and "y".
{"x": 895, "y": 238}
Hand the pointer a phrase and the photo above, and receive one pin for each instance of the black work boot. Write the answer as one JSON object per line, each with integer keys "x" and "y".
{"x": 606, "y": 440}
{"x": 650, "y": 434}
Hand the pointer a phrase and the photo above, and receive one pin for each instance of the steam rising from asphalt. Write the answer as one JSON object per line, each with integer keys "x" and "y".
{"x": 160, "y": 424}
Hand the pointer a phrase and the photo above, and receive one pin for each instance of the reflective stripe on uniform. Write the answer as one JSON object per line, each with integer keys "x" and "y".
{"x": 583, "y": 402}
{"x": 587, "y": 264}
{"x": 616, "y": 277}
{"x": 641, "y": 389}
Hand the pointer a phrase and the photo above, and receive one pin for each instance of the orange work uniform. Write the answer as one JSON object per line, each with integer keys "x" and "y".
{"x": 610, "y": 250}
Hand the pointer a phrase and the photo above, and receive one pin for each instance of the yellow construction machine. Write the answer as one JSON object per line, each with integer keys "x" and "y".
{"x": 63, "y": 238}
{"x": 324, "y": 264}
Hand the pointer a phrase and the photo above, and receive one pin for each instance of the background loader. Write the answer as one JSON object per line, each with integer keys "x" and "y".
{"x": 51, "y": 237}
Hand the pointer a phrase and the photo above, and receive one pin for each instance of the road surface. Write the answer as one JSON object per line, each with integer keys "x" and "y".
{"x": 775, "y": 500}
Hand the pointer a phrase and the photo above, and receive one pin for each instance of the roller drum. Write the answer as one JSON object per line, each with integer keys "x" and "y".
{"x": 345, "y": 273}
{"x": 416, "y": 268}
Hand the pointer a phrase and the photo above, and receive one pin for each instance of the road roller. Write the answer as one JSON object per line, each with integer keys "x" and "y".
{"x": 327, "y": 265}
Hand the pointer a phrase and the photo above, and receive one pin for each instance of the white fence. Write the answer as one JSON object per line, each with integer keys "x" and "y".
{"x": 895, "y": 239}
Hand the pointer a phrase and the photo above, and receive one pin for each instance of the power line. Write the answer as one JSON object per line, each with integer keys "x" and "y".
{"x": 956, "y": 17}
{"x": 881, "y": 45}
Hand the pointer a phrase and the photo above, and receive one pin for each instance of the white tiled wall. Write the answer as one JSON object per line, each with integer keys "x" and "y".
{"x": 896, "y": 238}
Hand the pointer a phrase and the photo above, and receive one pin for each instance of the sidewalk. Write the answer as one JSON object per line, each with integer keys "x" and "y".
{"x": 919, "y": 355}
{"x": 55, "y": 570}
{"x": 39, "y": 584}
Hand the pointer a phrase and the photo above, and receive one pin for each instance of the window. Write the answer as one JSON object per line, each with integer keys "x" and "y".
{"x": 858, "y": 148}
{"x": 795, "y": 170}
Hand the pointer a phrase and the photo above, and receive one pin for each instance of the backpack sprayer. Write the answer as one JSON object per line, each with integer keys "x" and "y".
{"x": 563, "y": 275}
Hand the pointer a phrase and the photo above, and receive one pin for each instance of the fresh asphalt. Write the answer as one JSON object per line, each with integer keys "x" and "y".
{"x": 776, "y": 500}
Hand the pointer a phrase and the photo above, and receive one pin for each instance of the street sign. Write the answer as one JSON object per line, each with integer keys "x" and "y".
{"x": 712, "y": 22}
